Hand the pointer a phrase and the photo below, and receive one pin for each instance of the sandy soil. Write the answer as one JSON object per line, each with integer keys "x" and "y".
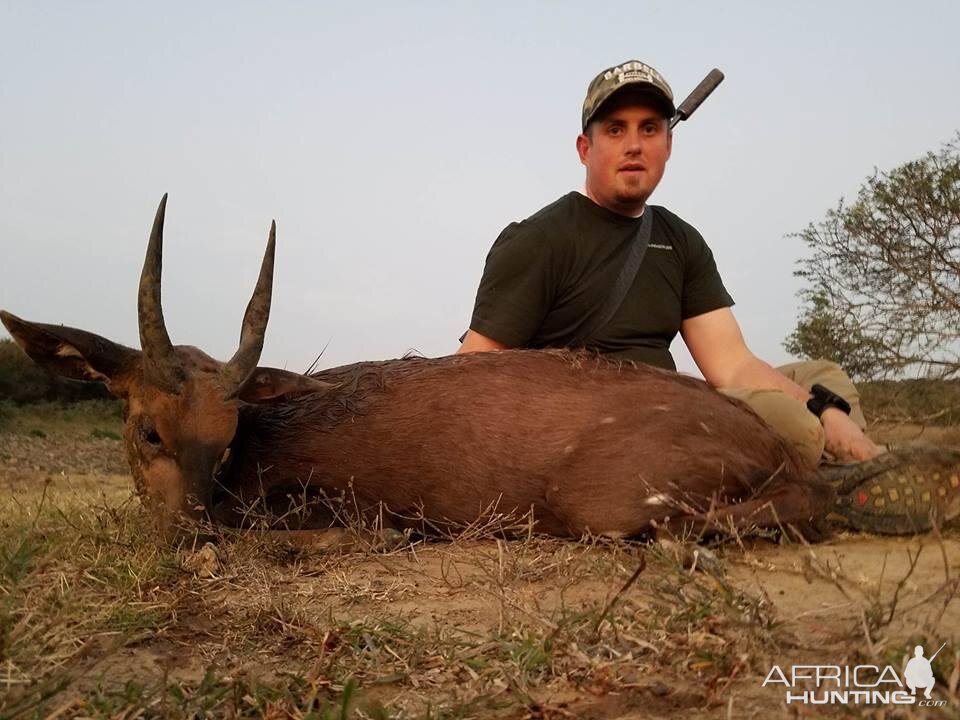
{"x": 432, "y": 622}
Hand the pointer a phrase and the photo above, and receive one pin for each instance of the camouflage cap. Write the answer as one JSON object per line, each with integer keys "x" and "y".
{"x": 632, "y": 74}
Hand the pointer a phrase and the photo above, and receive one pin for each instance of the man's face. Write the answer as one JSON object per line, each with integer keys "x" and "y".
{"x": 625, "y": 152}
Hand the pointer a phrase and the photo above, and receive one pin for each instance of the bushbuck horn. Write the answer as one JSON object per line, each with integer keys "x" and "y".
{"x": 245, "y": 360}
{"x": 160, "y": 363}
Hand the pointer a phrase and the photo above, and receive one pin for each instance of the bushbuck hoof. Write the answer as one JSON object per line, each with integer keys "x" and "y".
{"x": 905, "y": 491}
{"x": 390, "y": 539}
{"x": 205, "y": 562}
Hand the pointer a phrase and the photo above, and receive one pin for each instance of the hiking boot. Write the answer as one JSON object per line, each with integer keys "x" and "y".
{"x": 905, "y": 491}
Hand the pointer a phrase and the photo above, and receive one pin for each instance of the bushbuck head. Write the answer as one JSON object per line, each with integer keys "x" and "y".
{"x": 180, "y": 406}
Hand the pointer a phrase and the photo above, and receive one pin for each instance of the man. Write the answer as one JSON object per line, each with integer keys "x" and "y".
{"x": 544, "y": 275}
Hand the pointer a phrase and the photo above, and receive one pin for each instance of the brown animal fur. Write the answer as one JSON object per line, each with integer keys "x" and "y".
{"x": 588, "y": 444}
{"x": 583, "y": 443}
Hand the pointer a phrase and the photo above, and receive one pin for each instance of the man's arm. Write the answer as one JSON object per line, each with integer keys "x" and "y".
{"x": 717, "y": 346}
{"x": 475, "y": 342}
{"x": 515, "y": 291}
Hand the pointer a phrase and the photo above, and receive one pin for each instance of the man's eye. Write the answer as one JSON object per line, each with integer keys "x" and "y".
{"x": 615, "y": 130}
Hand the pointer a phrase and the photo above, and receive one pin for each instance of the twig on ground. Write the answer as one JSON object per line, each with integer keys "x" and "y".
{"x": 641, "y": 566}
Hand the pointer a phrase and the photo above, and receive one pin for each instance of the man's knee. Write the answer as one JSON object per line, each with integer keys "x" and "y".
{"x": 788, "y": 417}
{"x": 808, "y": 373}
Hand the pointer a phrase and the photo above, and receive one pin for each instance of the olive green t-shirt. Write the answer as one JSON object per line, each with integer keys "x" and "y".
{"x": 546, "y": 274}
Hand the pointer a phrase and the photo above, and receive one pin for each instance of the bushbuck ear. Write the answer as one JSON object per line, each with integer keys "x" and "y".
{"x": 72, "y": 353}
{"x": 266, "y": 384}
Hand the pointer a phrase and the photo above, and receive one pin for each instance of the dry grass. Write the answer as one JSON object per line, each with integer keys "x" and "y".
{"x": 99, "y": 620}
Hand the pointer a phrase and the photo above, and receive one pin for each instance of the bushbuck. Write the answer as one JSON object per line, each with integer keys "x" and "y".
{"x": 576, "y": 443}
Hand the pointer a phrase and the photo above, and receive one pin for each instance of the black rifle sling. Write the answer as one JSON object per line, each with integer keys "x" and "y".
{"x": 603, "y": 313}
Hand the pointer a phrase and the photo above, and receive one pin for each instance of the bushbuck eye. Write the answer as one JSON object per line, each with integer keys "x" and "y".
{"x": 150, "y": 435}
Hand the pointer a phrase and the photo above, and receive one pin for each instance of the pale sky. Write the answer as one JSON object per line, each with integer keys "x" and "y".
{"x": 393, "y": 141}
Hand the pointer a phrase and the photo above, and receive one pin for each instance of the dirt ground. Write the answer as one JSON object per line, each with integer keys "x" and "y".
{"x": 97, "y": 619}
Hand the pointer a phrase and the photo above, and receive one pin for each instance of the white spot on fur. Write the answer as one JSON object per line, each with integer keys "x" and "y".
{"x": 568, "y": 449}
{"x": 613, "y": 534}
{"x": 658, "y": 499}
{"x": 608, "y": 420}
{"x": 706, "y": 428}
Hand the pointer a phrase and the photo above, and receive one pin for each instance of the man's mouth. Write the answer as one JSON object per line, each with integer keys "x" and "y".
{"x": 633, "y": 167}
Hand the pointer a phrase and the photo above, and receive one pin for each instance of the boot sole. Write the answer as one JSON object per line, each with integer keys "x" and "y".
{"x": 900, "y": 493}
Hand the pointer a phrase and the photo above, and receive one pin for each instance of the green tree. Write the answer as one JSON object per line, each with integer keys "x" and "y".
{"x": 821, "y": 334}
{"x": 883, "y": 274}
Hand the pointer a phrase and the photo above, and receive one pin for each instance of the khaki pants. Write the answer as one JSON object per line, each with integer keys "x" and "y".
{"x": 790, "y": 417}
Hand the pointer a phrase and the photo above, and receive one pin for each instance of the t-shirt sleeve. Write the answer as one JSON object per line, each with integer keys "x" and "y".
{"x": 516, "y": 289}
{"x": 703, "y": 290}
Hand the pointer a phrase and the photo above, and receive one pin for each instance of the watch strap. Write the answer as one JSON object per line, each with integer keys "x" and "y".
{"x": 823, "y": 398}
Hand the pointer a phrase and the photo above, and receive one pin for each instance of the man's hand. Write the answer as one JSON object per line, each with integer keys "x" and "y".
{"x": 844, "y": 440}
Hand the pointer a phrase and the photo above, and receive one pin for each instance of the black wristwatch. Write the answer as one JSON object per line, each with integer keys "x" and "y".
{"x": 824, "y": 398}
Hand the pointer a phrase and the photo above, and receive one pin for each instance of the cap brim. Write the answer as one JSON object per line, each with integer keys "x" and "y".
{"x": 648, "y": 92}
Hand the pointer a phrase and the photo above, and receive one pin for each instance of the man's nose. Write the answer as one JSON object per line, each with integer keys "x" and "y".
{"x": 634, "y": 142}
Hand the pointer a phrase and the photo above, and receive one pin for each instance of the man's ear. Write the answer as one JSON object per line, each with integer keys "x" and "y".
{"x": 72, "y": 353}
{"x": 583, "y": 146}
{"x": 266, "y": 384}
